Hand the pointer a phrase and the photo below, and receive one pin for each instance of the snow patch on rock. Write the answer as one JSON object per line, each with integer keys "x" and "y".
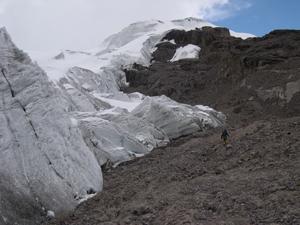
{"x": 187, "y": 52}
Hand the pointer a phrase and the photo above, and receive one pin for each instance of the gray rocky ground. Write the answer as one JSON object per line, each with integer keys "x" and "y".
{"x": 196, "y": 180}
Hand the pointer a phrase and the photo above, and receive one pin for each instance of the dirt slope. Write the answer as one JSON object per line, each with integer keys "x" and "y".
{"x": 196, "y": 180}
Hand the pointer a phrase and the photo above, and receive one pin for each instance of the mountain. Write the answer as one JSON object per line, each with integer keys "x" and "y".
{"x": 65, "y": 117}
{"x": 197, "y": 179}
{"x": 91, "y": 82}
{"x": 248, "y": 78}
{"x": 133, "y": 44}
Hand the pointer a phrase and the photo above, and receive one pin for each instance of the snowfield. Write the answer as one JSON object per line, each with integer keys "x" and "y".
{"x": 65, "y": 117}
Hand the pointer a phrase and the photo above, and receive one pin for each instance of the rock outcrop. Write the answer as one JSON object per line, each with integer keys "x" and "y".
{"x": 242, "y": 76}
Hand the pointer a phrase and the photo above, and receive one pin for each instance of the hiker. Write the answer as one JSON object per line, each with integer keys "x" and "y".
{"x": 225, "y": 136}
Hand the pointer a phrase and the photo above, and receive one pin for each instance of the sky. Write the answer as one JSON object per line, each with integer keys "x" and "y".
{"x": 263, "y": 16}
{"x": 45, "y": 25}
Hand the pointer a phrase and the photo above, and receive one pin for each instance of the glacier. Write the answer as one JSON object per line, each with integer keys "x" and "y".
{"x": 44, "y": 162}
{"x": 64, "y": 116}
{"x": 91, "y": 81}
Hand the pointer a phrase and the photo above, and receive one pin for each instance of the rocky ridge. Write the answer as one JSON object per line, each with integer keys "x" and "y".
{"x": 231, "y": 73}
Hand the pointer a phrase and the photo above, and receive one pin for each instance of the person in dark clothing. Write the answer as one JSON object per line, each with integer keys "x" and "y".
{"x": 225, "y": 136}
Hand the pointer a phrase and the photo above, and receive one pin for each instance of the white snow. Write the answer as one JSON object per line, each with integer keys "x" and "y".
{"x": 86, "y": 197}
{"x": 128, "y": 105}
{"x": 187, "y": 52}
{"x": 68, "y": 86}
{"x": 204, "y": 108}
{"x": 241, "y": 35}
{"x": 50, "y": 214}
{"x": 74, "y": 122}
{"x": 134, "y": 43}
{"x": 173, "y": 42}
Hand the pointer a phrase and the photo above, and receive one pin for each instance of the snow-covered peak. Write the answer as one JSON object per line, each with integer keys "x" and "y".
{"x": 133, "y": 44}
{"x": 150, "y": 28}
{"x": 128, "y": 34}
{"x": 192, "y": 23}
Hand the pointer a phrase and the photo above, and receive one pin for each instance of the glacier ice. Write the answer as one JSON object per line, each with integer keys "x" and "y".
{"x": 58, "y": 128}
{"x": 43, "y": 158}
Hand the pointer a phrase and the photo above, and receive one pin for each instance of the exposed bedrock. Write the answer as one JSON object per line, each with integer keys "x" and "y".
{"x": 237, "y": 76}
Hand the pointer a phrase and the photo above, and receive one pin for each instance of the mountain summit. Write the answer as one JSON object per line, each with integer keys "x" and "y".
{"x": 133, "y": 44}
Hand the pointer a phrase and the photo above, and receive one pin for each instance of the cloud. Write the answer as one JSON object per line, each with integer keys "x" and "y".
{"x": 223, "y": 10}
{"x": 2, "y": 6}
{"x": 81, "y": 24}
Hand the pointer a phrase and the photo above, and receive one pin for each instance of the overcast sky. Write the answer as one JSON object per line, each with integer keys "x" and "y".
{"x": 82, "y": 24}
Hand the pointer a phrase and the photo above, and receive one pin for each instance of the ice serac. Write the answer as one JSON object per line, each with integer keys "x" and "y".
{"x": 176, "y": 119}
{"x": 117, "y": 126}
{"x": 44, "y": 161}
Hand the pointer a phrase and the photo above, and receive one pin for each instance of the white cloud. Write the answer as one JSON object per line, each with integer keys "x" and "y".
{"x": 2, "y": 6}
{"x": 79, "y": 24}
{"x": 223, "y": 10}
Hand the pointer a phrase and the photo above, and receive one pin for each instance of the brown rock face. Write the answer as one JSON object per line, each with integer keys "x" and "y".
{"x": 253, "y": 77}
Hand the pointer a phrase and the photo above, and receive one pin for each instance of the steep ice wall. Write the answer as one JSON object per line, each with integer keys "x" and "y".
{"x": 44, "y": 162}
{"x": 91, "y": 82}
{"x": 117, "y": 135}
